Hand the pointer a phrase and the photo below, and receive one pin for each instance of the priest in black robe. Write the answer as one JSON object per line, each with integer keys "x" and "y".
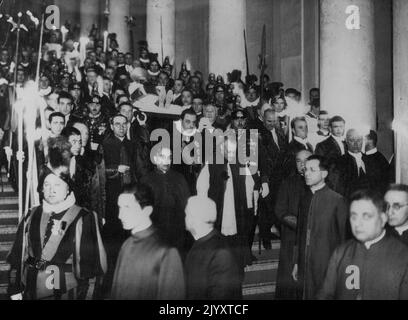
{"x": 396, "y": 200}
{"x": 171, "y": 193}
{"x": 321, "y": 227}
{"x": 378, "y": 168}
{"x": 374, "y": 265}
{"x": 286, "y": 210}
{"x": 147, "y": 268}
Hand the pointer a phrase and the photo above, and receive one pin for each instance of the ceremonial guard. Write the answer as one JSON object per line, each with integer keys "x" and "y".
{"x": 44, "y": 262}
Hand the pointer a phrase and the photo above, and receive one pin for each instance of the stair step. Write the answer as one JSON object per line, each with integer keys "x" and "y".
{"x": 8, "y": 200}
{"x": 8, "y": 214}
{"x": 5, "y": 248}
{"x": 9, "y": 206}
{"x": 7, "y": 233}
{"x": 8, "y": 221}
{"x": 4, "y": 270}
{"x": 3, "y": 291}
{"x": 275, "y": 245}
{"x": 6, "y": 187}
{"x": 260, "y": 288}
{"x": 260, "y": 276}
{"x": 262, "y": 265}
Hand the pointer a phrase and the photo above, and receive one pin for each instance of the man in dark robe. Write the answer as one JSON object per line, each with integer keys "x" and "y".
{"x": 378, "y": 168}
{"x": 147, "y": 268}
{"x": 170, "y": 192}
{"x": 374, "y": 265}
{"x": 118, "y": 151}
{"x": 321, "y": 228}
{"x": 286, "y": 210}
{"x": 212, "y": 272}
{"x": 396, "y": 200}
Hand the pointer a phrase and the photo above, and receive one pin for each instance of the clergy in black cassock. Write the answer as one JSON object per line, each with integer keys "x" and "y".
{"x": 286, "y": 210}
{"x": 170, "y": 192}
{"x": 374, "y": 265}
{"x": 321, "y": 227}
{"x": 378, "y": 168}
{"x": 147, "y": 268}
{"x": 396, "y": 199}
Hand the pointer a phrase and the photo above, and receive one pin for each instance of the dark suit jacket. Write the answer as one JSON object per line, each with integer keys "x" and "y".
{"x": 290, "y": 159}
{"x": 329, "y": 149}
{"x": 211, "y": 270}
{"x": 345, "y": 178}
{"x": 378, "y": 171}
{"x": 271, "y": 158}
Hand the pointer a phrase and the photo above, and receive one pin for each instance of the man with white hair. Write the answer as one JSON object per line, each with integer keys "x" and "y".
{"x": 212, "y": 272}
{"x": 351, "y": 173}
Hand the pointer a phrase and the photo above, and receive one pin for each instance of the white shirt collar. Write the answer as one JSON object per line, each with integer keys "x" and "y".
{"x": 372, "y": 151}
{"x": 356, "y": 155}
{"x": 314, "y": 188}
{"x": 368, "y": 244}
{"x": 401, "y": 229}
{"x": 302, "y": 141}
{"x": 338, "y": 139}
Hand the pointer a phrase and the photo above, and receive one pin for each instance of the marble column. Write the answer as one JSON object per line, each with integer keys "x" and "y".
{"x": 119, "y": 9}
{"x": 400, "y": 126}
{"x": 347, "y": 61}
{"x": 161, "y": 28}
{"x": 227, "y": 21}
{"x": 89, "y": 15}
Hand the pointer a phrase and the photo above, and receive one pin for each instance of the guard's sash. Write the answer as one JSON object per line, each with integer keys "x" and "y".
{"x": 48, "y": 280}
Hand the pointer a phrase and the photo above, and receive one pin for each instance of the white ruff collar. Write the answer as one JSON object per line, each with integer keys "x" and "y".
{"x": 154, "y": 74}
{"x": 62, "y": 206}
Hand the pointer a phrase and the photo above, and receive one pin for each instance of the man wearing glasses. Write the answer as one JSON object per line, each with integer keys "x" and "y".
{"x": 118, "y": 155}
{"x": 373, "y": 265}
{"x": 396, "y": 199}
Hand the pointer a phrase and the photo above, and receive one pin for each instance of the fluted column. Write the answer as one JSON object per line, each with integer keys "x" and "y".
{"x": 400, "y": 37}
{"x": 347, "y": 61}
{"x": 161, "y": 27}
{"x": 227, "y": 20}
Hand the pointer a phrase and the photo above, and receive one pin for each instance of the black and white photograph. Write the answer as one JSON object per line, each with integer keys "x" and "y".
{"x": 203, "y": 154}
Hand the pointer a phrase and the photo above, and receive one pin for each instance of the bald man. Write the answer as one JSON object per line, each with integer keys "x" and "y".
{"x": 351, "y": 173}
{"x": 212, "y": 272}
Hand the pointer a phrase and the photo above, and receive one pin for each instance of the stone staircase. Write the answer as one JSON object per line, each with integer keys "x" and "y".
{"x": 260, "y": 277}
{"x": 8, "y": 228}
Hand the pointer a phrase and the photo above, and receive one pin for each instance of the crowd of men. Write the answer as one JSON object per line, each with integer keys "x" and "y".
{"x": 178, "y": 229}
